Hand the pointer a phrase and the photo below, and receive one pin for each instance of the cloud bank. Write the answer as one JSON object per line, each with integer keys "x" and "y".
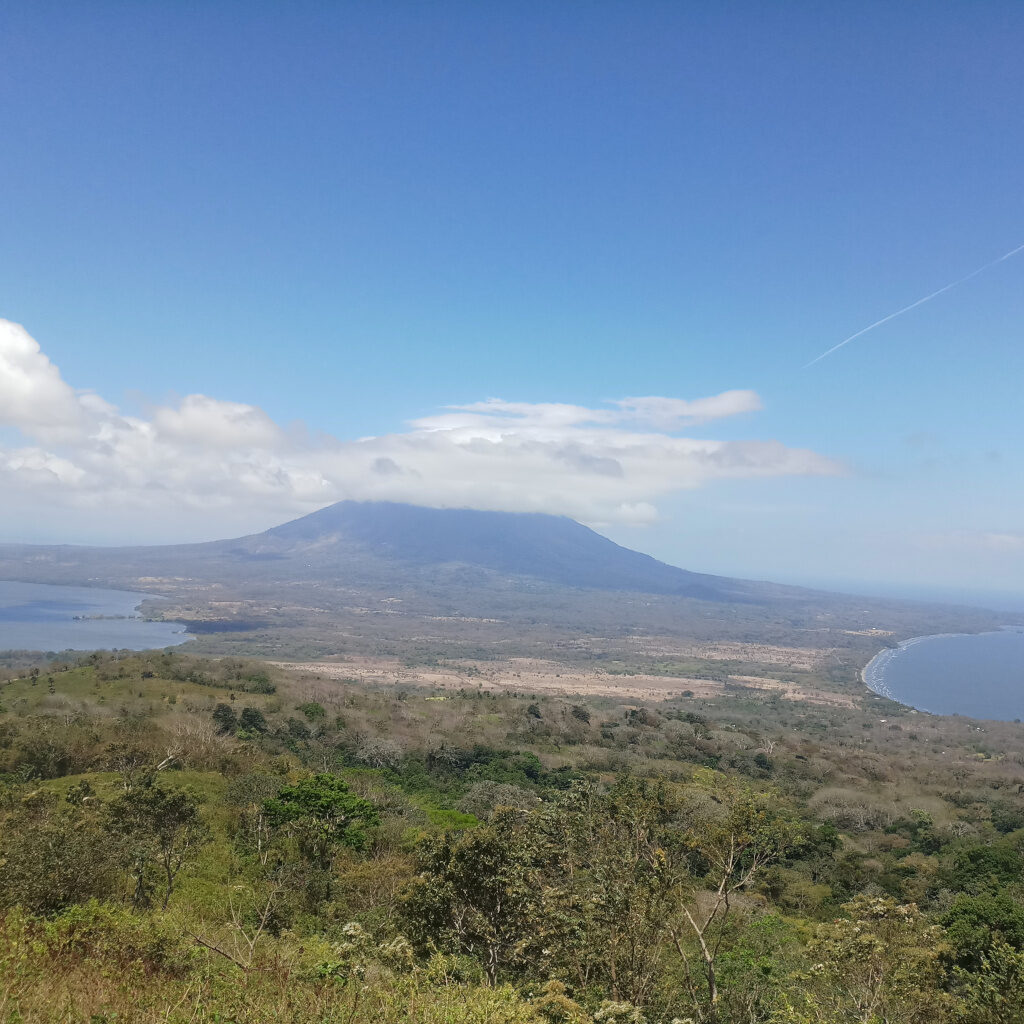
{"x": 204, "y": 467}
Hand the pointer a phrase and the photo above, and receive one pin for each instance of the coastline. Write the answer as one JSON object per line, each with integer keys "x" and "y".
{"x": 81, "y": 618}
{"x": 872, "y": 675}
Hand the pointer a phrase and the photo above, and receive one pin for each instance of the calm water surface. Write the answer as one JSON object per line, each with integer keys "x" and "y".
{"x": 40, "y": 617}
{"x": 981, "y": 676}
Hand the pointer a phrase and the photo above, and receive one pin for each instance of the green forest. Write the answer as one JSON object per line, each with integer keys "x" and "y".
{"x": 187, "y": 839}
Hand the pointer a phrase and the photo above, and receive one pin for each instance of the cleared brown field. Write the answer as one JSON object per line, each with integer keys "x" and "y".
{"x": 537, "y": 675}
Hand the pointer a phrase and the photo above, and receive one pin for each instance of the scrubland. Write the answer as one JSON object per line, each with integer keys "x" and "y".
{"x": 649, "y": 836}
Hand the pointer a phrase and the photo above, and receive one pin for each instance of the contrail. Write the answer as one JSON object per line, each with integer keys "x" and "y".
{"x": 914, "y": 305}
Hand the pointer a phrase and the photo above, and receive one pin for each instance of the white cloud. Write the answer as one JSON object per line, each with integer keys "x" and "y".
{"x": 664, "y": 414}
{"x": 199, "y": 420}
{"x": 32, "y": 393}
{"x": 674, "y": 413}
{"x": 202, "y": 467}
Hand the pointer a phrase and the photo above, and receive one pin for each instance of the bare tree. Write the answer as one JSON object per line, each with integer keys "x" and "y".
{"x": 735, "y": 834}
{"x": 244, "y": 931}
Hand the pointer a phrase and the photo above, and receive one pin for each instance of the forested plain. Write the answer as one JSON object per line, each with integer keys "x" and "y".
{"x": 189, "y": 838}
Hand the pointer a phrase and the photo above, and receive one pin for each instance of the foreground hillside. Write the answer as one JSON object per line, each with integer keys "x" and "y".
{"x": 191, "y": 839}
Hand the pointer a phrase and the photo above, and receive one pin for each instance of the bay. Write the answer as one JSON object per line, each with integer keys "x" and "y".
{"x": 979, "y": 675}
{"x": 45, "y": 617}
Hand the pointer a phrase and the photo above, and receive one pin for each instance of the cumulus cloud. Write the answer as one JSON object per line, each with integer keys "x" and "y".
{"x": 213, "y": 466}
{"x": 32, "y": 393}
{"x": 199, "y": 420}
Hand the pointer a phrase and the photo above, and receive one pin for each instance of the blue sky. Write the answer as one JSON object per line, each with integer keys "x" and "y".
{"x": 355, "y": 215}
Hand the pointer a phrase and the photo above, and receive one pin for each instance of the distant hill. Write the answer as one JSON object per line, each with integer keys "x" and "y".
{"x": 379, "y": 575}
{"x": 555, "y": 549}
{"x": 378, "y": 544}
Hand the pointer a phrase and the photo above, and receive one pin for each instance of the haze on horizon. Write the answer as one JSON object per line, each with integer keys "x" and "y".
{"x": 264, "y": 261}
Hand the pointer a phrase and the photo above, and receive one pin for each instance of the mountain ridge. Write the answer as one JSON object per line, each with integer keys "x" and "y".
{"x": 373, "y": 576}
{"x": 381, "y": 545}
{"x": 556, "y": 549}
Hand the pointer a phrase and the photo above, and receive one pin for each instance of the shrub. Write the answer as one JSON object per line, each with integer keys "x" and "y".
{"x": 54, "y": 857}
{"x": 252, "y": 720}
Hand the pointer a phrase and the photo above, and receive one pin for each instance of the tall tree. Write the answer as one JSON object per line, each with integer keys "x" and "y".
{"x": 321, "y": 814}
{"x": 159, "y": 828}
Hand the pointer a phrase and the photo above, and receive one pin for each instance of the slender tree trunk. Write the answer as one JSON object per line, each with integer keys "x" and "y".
{"x": 168, "y": 871}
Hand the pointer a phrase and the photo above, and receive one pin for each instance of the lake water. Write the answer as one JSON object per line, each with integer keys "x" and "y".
{"x": 980, "y": 675}
{"x": 40, "y": 617}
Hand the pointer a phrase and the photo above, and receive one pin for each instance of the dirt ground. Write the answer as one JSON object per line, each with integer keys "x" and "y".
{"x": 535, "y": 675}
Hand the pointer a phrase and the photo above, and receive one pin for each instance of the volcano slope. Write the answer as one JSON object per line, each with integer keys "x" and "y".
{"x": 378, "y": 578}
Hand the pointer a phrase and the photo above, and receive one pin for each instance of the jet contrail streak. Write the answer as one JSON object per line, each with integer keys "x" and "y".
{"x": 914, "y": 305}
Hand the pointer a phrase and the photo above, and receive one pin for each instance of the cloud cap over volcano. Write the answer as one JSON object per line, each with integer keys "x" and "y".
{"x": 201, "y": 467}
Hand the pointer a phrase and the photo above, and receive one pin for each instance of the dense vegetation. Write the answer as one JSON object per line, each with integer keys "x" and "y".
{"x": 187, "y": 839}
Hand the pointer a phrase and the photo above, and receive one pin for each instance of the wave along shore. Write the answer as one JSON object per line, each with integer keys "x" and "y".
{"x": 873, "y": 673}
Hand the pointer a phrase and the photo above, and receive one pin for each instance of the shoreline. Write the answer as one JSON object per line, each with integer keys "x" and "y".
{"x": 872, "y": 675}
{"x": 84, "y": 618}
